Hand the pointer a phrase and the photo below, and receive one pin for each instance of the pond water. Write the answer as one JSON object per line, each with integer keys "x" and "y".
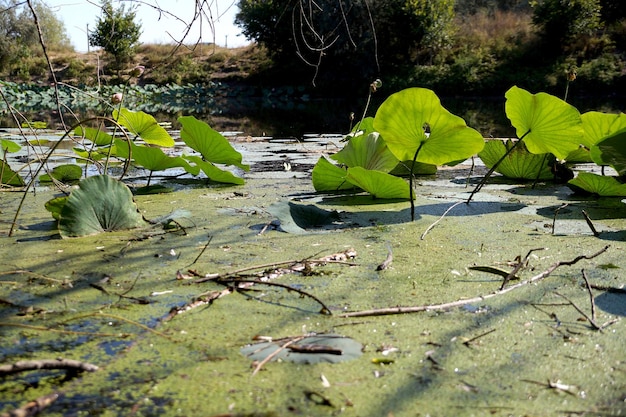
{"x": 127, "y": 301}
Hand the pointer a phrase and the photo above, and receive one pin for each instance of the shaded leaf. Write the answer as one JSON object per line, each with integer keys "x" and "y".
{"x": 612, "y": 151}
{"x": 367, "y": 151}
{"x": 213, "y": 146}
{"x": 296, "y": 218}
{"x": 100, "y": 204}
{"x": 550, "y": 124}
{"x": 312, "y": 349}
{"x": 597, "y": 184}
{"x": 144, "y": 126}
{"x": 415, "y": 118}
{"x": 55, "y": 206}
{"x": 379, "y": 184}
{"x": 519, "y": 163}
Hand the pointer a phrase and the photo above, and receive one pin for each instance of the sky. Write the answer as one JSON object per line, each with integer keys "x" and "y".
{"x": 78, "y": 15}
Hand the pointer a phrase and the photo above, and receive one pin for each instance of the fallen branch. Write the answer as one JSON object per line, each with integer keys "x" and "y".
{"x": 32, "y": 408}
{"x": 59, "y": 363}
{"x": 458, "y": 303}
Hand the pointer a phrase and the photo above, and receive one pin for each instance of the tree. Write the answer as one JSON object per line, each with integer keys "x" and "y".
{"x": 117, "y": 33}
{"x": 562, "y": 21}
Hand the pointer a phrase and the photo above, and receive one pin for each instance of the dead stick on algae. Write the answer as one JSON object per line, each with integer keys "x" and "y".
{"x": 458, "y": 303}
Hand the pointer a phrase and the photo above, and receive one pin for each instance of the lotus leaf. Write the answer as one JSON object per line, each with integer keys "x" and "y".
{"x": 100, "y": 204}
{"x": 546, "y": 123}
{"x": 309, "y": 350}
{"x": 9, "y": 177}
{"x": 296, "y": 218}
{"x": 597, "y": 184}
{"x": 519, "y": 163}
{"x": 63, "y": 173}
{"x": 96, "y": 136}
{"x": 213, "y": 146}
{"x": 55, "y": 206}
{"x": 152, "y": 159}
{"x": 379, "y": 184}
{"x": 612, "y": 151}
{"x": 367, "y": 151}
{"x": 599, "y": 126}
{"x": 329, "y": 177}
{"x": 414, "y": 119}
{"x": 8, "y": 146}
{"x": 213, "y": 172}
{"x": 144, "y": 126}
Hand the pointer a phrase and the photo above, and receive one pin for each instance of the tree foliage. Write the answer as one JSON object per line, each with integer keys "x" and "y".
{"x": 363, "y": 38}
{"x": 19, "y": 37}
{"x": 116, "y": 32}
{"x": 562, "y": 21}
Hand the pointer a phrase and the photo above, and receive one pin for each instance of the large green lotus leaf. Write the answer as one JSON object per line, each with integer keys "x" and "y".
{"x": 63, "y": 173}
{"x": 612, "y": 151}
{"x": 100, "y": 204}
{"x": 8, "y": 146}
{"x": 150, "y": 158}
{"x": 599, "y": 126}
{"x": 96, "y": 136}
{"x": 379, "y": 184}
{"x": 601, "y": 185}
{"x": 364, "y": 127}
{"x": 213, "y": 146}
{"x": 369, "y": 152}
{"x": 329, "y": 177}
{"x": 297, "y": 218}
{"x": 550, "y": 124}
{"x": 213, "y": 172}
{"x": 9, "y": 177}
{"x": 519, "y": 163}
{"x": 415, "y": 117}
{"x": 312, "y": 349}
{"x": 419, "y": 168}
{"x": 144, "y": 126}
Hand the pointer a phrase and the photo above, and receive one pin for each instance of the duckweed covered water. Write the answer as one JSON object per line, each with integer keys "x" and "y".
{"x": 105, "y": 299}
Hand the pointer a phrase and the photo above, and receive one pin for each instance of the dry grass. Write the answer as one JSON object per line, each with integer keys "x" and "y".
{"x": 488, "y": 28}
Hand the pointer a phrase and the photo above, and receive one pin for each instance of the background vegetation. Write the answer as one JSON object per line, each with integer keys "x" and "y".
{"x": 462, "y": 47}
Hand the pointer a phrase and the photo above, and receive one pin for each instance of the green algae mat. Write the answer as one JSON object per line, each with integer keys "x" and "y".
{"x": 268, "y": 299}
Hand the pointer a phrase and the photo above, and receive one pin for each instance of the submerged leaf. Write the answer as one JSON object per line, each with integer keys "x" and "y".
{"x": 312, "y": 349}
{"x": 144, "y": 126}
{"x": 296, "y": 218}
{"x": 100, "y": 204}
{"x": 414, "y": 119}
{"x": 547, "y": 123}
{"x": 519, "y": 163}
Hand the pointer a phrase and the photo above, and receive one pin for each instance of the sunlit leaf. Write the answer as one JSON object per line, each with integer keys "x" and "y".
{"x": 329, "y": 177}
{"x": 144, "y": 126}
{"x": 547, "y": 123}
{"x": 414, "y": 119}
{"x": 599, "y": 126}
{"x": 297, "y": 218}
{"x": 603, "y": 186}
{"x": 309, "y": 350}
{"x": 519, "y": 163}
{"x": 100, "y": 204}
{"x": 8, "y": 146}
{"x": 55, "y": 206}
{"x": 63, "y": 173}
{"x": 214, "y": 173}
{"x": 96, "y": 136}
{"x": 213, "y": 146}
{"x": 379, "y": 184}
{"x": 369, "y": 152}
